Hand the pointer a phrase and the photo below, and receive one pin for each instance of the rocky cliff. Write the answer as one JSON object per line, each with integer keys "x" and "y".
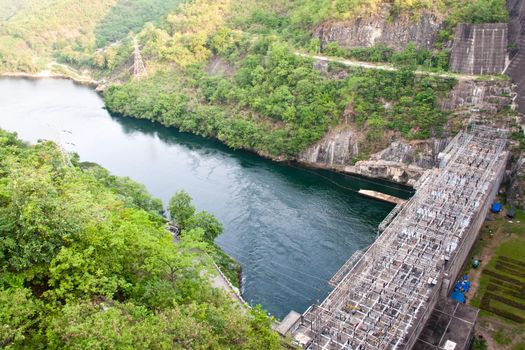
{"x": 338, "y": 148}
{"x": 516, "y": 186}
{"x": 395, "y": 32}
{"x": 516, "y": 68}
{"x": 402, "y": 162}
{"x": 405, "y": 161}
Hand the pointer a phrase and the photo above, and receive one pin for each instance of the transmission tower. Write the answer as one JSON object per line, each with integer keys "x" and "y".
{"x": 139, "y": 70}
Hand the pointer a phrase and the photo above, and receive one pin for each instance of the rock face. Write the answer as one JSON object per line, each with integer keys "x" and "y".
{"x": 479, "y": 48}
{"x": 516, "y": 68}
{"x": 402, "y": 162}
{"x": 392, "y": 171}
{"x": 395, "y": 33}
{"x": 337, "y": 148}
{"x": 423, "y": 154}
{"x": 486, "y": 96}
{"x": 516, "y": 188}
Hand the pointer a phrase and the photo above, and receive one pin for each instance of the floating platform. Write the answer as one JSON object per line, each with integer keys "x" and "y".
{"x": 382, "y": 196}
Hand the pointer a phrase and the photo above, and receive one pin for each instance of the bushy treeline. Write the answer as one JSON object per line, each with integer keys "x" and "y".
{"x": 70, "y": 31}
{"x": 86, "y": 263}
{"x": 278, "y": 103}
{"x": 44, "y": 28}
{"x": 479, "y": 11}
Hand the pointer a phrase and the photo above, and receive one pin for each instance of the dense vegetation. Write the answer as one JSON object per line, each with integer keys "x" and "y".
{"x": 86, "y": 262}
{"x": 34, "y": 32}
{"x": 228, "y": 69}
{"x": 277, "y": 103}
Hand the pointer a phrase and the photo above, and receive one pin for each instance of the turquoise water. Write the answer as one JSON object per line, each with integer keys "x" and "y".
{"x": 291, "y": 228}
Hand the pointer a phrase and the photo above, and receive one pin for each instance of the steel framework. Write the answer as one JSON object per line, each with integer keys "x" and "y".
{"x": 381, "y": 295}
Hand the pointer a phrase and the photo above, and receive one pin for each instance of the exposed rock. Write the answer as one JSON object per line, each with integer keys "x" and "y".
{"x": 401, "y": 162}
{"x": 479, "y": 48}
{"x": 395, "y": 32}
{"x": 423, "y": 153}
{"x": 487, "y": 96}
{"x": 338, "y": 147}
{"x": 393, "y": 171}
{"x": 516, "y": 68}
{"x": 219, "y": 67}
{"x": 516, "y": 188}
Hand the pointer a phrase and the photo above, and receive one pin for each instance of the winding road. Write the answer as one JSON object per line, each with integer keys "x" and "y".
{"x": 388, "y": 67}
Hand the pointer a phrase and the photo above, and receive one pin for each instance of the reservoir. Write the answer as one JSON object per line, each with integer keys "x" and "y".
{"x": 290, "y": 227}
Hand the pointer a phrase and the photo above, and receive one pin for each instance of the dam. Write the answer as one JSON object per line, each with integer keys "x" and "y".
{"x": 384, "y": 296}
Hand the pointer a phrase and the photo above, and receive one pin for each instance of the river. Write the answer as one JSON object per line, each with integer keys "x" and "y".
{"x": 291, "y": 228}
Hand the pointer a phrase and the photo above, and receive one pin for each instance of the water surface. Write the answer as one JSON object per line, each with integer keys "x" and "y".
{"x": 290, "y": 228}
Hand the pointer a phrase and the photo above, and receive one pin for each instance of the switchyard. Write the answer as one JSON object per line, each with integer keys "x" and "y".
{"x": 383, "y": 297}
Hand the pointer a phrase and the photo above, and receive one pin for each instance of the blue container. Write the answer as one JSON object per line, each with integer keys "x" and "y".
{"x": 458, "y": 296}
{"x": 496, "y": 207}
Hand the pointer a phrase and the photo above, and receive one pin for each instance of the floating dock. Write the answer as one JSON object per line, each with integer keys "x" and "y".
{"x": 382, "y": 196}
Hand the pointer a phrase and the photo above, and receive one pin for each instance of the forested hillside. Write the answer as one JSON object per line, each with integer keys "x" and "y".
{"x": 87, "y": 263}
{"x": 228, "y": 68}
{"x": 239, "y": 79}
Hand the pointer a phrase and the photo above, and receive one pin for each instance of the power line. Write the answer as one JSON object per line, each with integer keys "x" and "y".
{"x": 351, "y": 176}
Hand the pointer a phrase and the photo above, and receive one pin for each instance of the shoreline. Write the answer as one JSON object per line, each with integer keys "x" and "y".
{"x": 99, "y": 87}
{"x": 47, "y": 74}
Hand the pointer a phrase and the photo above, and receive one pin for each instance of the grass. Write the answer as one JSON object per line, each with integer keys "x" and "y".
{"x": 479, "y": 344}
{"x": 501, "y": 291}
{"x": 519, "y": 346}
{"x": 502, "y": 338}
{"x": 512, "y": 248}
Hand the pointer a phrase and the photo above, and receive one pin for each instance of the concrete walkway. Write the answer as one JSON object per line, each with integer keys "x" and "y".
{"x": 220, "y": 281}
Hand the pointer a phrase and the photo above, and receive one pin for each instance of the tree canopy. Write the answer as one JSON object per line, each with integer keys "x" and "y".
{"x": 86, "y": 261}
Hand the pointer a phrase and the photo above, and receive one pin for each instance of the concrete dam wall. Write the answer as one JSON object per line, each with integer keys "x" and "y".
{"x": 479, "y": 48}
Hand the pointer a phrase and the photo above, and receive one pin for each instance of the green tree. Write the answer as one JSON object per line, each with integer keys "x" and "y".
{"x": 206, "y": 221}
{"x": 180, "y": 208}
{"x": 19, "y": 313}
{"x": 114, "y": 281}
